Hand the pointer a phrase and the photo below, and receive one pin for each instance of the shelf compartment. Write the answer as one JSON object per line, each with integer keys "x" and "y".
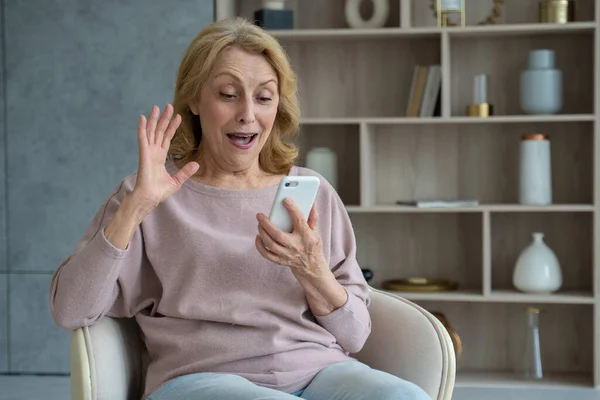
{"x": 344, "y": 141}
{"x": 569, "y": 235}
{"x": 503, "y": 60}
{"x": 374, "y": 75}
{"x": 477, "y": 161}
{"x": 446, "y": 246}
{"x": 493, "y": 336}
{"x": 319, "y": 14}
{"x": 512, "y": 12}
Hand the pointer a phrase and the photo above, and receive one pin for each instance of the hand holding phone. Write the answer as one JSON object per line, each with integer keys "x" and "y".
{"x": 303, "y": 190}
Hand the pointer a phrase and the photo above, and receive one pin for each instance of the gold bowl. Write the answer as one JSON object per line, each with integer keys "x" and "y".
{"x": 420, "y": 284}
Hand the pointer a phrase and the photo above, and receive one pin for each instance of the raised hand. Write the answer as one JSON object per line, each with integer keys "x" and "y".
{"x": 154, "y": 183}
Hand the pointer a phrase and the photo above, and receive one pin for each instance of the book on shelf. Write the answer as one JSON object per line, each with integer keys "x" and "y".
{"x": 439, "y": 203}
{"x": 424, "y": 97}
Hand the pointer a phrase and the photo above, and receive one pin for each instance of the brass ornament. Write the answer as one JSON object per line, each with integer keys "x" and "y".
{"x": 489, "y": 20}
{"x": 420, "y": 284}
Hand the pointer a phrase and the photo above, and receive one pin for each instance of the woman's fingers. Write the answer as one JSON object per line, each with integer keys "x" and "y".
{"x": 186, "y": 172}
{"x": 142, "y": 138}
{"x": 300, "y": 224}
{"x": 158, "y": 131}
{"x": 277, "y": 234}
{"x": 266, "y": 253}
{"x": 170, "y": 132}
{"x": 313, "y": 218}
{"x": 271, "y": 244}
{"x": 151, "y": 126}
{"x": 162, "y": 125}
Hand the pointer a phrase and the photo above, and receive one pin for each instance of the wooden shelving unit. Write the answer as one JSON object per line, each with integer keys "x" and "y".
{"x": 354, "y": 87}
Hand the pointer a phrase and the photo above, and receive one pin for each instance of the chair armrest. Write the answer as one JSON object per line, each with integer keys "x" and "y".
{"x": 106, "y": 361}
{"x": 409, "y": 342}
{"x": 81, "y": 383}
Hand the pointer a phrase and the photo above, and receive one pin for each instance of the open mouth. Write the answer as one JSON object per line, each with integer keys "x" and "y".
{"x": 242, "y": 140}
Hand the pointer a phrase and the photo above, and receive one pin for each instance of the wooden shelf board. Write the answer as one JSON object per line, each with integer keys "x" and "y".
{"x": 550, "y": 208}
{"x": 349, "y": 33}
{"x": 523, "y": 29}
{"x": 497, "y": 296}
{"x": 502, "y": 119}
{"x": 408, "y": 209}
{"x": 457, "y": 295}
{"x": 482, "y": 208}
{"x": 425, "y": 32}
{"x": 513, "y": 380}
{"x": 513, "y": 296}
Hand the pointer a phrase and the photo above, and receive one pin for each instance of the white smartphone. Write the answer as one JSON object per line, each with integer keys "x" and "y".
{"x": 303, "y": 190}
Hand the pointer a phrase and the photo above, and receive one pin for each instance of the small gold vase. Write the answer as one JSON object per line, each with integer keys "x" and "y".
{"x": 557, "y": 11}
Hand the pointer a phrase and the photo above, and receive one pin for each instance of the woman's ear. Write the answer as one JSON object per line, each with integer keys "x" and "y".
{"x": 194, "y": 108}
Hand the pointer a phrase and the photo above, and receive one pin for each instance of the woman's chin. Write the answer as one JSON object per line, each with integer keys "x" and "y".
{"x": 242, "y": 162}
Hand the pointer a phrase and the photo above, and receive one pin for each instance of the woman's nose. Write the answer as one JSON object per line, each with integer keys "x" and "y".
{"x": 246, "y": 112}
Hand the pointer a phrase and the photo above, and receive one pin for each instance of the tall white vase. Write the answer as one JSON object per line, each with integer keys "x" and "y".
{"x": 535, "y": 171}
{"x": 537, "y": 269}
{"x": 324, "y": 161}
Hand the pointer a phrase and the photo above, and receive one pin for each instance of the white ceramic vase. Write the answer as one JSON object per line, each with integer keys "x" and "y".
{"x": 381, "y": 10}
{"x": 537, "y": 269}
{"x": 541, "y": 90}
{"x": 324, "y": 161}
{"x": 535, "y": 171}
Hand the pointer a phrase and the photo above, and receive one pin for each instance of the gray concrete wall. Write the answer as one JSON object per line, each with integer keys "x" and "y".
{"x": 75, "y": 76}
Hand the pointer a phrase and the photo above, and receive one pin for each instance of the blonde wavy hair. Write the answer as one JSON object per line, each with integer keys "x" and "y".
{"x": 279, "y": 152}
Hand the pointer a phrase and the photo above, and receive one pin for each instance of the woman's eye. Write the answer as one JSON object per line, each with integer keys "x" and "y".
{"x": 227, "y": 96}
{"x": 264, "y": 99}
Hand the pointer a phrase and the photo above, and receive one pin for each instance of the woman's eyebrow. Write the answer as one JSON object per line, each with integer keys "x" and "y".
{"x": 236, "y": 78}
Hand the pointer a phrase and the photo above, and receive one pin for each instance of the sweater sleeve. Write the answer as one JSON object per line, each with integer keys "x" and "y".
{"x": 97, "y": 278}
{"x": 351, "y": 323}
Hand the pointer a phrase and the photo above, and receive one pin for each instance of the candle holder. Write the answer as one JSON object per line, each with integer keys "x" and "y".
{"x": 480, "y": 106}
{"x": 445, "y": 8}
{"x": 557, "y": 11}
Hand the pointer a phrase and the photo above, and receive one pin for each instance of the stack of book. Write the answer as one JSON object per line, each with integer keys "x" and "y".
{"x": 425, "y": 92}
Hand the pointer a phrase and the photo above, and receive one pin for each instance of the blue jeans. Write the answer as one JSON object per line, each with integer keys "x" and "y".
{"x": 344, "y": 381}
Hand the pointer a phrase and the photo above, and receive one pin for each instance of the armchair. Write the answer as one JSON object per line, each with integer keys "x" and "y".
{"x": 108, "y": 358}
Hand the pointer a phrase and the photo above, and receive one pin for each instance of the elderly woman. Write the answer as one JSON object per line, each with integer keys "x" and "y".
{"x": 229, "y": 306}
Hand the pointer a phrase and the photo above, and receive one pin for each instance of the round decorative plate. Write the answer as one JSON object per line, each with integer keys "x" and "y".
{"x": 418, "y": 284}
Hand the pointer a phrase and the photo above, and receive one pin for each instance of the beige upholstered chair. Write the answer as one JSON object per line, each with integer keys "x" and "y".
{"x": 108, "y": 358}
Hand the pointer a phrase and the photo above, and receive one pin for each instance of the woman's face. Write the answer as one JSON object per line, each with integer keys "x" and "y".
{"x": 237, "y": 108}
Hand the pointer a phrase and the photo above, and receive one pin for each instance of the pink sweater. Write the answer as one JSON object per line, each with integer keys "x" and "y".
{"x": 204, "y": 298}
